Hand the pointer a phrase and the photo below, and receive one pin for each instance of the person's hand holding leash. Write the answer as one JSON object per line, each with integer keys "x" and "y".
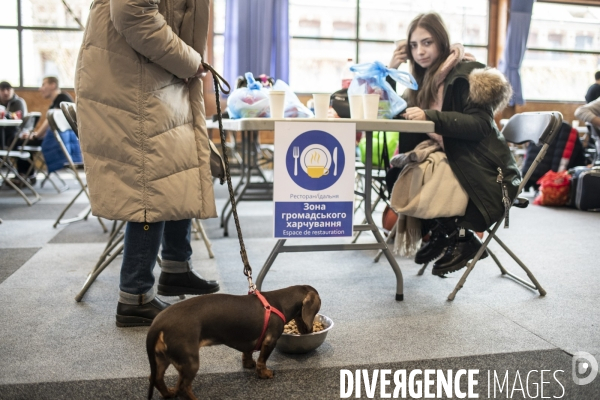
{"x": 201, "y": 73}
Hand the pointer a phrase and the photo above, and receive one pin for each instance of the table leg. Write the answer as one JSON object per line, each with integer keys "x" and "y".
{"x": 386, "y": 251}
{"x": 250, "y": 157}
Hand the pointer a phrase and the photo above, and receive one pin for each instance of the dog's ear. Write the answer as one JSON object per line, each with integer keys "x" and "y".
{"x": 310, "y": 307}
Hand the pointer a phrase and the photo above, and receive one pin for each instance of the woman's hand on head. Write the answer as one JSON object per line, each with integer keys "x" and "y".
{"x": 414, "y": 114}
{"x": 400, "y": 56}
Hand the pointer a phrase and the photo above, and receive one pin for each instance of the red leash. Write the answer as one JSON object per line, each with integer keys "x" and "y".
{"x": 268, "y": 310}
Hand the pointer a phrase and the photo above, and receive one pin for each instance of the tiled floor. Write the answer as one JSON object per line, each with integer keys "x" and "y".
{"x": 54, "y": 347}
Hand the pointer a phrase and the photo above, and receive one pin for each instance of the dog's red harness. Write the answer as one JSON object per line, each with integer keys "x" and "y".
{"x": 268, "y": 310}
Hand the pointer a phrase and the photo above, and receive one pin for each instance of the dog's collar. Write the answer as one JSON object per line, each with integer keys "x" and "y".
{"x": 268, "y": 310}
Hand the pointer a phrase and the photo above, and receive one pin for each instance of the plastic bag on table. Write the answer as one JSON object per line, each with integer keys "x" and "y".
{"x": 293, "y": 107}
{"x": 251, "y": 101}
{"x": 370, "y": 78}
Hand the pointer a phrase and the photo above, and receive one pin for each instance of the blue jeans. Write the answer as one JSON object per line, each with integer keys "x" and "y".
{"x": 142, "y": 242}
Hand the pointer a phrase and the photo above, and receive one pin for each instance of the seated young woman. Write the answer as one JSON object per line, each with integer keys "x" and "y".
{"x": 460, "y": 96}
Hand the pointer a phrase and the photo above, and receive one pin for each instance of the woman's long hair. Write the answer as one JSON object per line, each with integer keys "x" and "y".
{"x": 427, "y": 91}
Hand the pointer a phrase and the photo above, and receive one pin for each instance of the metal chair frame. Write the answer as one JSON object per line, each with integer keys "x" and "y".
{"x": 114, "y": 247}
{"x": 52, "y": 117}
{"x": 540, "y": 128}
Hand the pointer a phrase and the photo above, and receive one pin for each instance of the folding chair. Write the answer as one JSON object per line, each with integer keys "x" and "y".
{"x": 378, "y": 183}
{"x": 27, "y": 124}
{"x": 37, "y": 159}
{"x": 594, "y": 134}
{"x": 59, "y": 123}
{"x": 114, "y": 247}
{"x": 535, "y": 127}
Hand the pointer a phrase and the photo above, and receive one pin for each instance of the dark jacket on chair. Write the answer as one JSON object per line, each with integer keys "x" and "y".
{"x": 476, "y": 150}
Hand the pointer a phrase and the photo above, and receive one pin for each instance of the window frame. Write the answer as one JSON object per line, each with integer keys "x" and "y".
{"x": 584, "y": 3}
{"x": 20, "y": 28}
{"x": 357, "y": 40}
{"x": 490, "y": 47}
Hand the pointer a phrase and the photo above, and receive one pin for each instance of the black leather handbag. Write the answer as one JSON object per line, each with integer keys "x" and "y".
{"x": 339, "y": 102}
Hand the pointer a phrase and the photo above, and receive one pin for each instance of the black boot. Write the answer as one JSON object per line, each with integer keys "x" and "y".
{"x": 437, "y": 242}
{"x": 139, "y": 315}
{"x": 460, "y": 250}
{"x": 190, "y": 282}
{"x": 433, "y": 248}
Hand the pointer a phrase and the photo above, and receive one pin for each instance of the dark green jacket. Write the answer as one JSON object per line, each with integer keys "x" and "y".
{"x": 476, "y": 150}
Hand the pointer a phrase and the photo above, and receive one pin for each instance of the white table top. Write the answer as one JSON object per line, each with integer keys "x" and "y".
{"x": 10, "y": 122}
{"x": 268, "y": 124}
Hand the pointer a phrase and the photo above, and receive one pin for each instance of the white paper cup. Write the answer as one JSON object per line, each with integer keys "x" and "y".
{"x": 276, "y": 102}
{"x": 401, "y": 42}
{"x": 356, "y": 106}
{"x": 321, "y": 104}
{"x": 370, "y": 105}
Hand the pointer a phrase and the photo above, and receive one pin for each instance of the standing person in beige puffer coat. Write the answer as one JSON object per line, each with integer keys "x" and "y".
{"x": 144, "y": 140}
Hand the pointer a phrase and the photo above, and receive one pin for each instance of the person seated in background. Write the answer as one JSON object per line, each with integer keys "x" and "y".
{"x": 460, "y": 96}
{"x": 15, "y": 108}
{"x": 42, "y": 136}
{"x": 594, "y": 91}
{"x": 51, "y": 91}
{"x": 590, "y": 113}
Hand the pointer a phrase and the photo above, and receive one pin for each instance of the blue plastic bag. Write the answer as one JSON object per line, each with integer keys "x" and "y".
{"x": 249, "y": 102}
{"x": 370, "y": 78}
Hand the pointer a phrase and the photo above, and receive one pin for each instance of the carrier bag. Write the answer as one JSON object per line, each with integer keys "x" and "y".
{"x": 293, "y": 107}
{"x": 249, "y": 102}
{"x": 585, "y": 188}
{"x": 554, "y": 189}
{"x": 384, "y": 145}
{"x": 370, "y": 78}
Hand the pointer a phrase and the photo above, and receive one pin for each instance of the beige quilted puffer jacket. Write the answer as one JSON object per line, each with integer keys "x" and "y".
{"x": 142, "y": 129}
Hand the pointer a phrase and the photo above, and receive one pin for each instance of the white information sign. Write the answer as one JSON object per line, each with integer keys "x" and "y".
{"x": 314, "y": 179}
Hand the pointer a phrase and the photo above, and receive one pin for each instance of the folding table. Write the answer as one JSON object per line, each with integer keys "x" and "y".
{"x": 5, "y": 163}
{"x": 249, "y": 128}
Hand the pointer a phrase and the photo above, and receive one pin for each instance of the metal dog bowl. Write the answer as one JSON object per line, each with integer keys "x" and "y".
{"x": 298, "y": 344}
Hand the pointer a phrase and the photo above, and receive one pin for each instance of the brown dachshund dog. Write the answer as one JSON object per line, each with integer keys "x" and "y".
{"x": 178, "y": 332}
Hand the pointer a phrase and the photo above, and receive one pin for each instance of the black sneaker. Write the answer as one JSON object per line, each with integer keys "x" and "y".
{"x": 136, "y": 315}
{"x": 190, "y": 282}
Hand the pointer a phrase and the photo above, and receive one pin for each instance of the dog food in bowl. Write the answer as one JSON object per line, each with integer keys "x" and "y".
{"x": 291, "y": 341}
{"x": 292, "y": 329}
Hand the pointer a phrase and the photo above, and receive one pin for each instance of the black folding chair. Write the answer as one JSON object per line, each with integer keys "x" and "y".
{"x": 539, "y": 128}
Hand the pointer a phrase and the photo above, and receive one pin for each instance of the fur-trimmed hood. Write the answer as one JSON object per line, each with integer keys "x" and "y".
{"x": 489, "y": 88}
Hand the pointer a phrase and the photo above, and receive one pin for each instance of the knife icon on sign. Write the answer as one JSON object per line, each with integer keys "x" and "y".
{"x": 335, "y": 161}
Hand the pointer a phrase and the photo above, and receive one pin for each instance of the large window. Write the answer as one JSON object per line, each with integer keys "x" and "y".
{"x": 324, "y": 34}
{"x": 41, "y": 38}
{"x": 563, "y": 52}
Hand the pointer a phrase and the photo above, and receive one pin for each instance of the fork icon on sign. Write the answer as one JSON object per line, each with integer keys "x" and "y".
{"x": 296, "y": 154}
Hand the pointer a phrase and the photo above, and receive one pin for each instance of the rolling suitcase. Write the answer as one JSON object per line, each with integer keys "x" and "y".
{"x": 585, "y": 188}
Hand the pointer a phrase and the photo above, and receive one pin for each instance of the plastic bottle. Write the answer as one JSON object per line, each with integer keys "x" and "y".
{"x": 347, "y": 75}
